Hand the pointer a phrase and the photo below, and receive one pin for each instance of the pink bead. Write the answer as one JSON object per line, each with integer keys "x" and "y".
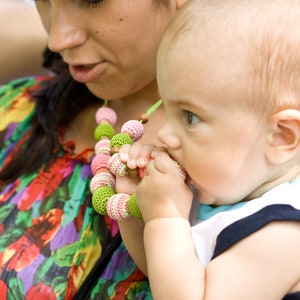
{"x": 134, "y": 128}
{"x": 117, "y": 207}
{"x": 102, "y": 179}
{"x": 106, "y": 113}
{"x": 116, "y": 166}
{"x": 100, "y": 161}
{"x": 142, "y": 172}
{"x": 103, "y": 147}
{"x": 181, "y": 171}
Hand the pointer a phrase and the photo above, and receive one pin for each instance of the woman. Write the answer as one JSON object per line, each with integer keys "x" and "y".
{"x": 51, "y": 237}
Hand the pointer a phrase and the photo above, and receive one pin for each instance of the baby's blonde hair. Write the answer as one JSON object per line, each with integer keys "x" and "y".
{"x": 267, "y": 33}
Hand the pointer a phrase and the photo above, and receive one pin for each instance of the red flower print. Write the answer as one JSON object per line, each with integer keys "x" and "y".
{"x": 40, "y": 292}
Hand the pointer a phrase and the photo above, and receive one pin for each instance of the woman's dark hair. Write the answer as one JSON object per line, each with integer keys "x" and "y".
{"x": 58, "y": 102}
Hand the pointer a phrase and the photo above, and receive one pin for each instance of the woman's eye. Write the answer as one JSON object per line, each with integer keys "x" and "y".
{"x": 83, "y": 3}
{"x": 90, "y": 3}
{"x": 191, "y": 118}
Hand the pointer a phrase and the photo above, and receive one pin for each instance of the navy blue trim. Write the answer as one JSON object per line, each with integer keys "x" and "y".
{"x": 248, "y": 225}
{"x": 293, "y": 296}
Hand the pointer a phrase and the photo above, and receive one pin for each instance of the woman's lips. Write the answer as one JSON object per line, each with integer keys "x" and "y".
{"x": 87, "y": 73}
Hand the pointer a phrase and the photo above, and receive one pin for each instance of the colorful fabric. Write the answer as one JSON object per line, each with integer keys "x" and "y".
{"x": 50, "y": 236}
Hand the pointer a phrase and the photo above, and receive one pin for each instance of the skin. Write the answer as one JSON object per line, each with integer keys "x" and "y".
{"x": 23, "y": 40}
{"x": 201, "y": 117}
{"x": 104, "y": 34}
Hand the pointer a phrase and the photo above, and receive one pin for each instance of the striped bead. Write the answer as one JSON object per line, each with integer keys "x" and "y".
{"x": 117, "y": 207}
{"x": 102, "y": 179}
{"x": 116, "y": 166}
{"x": 102, "y": 147}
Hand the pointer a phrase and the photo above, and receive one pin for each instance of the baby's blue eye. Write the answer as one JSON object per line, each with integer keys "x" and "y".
{"x": 191, "y": 118}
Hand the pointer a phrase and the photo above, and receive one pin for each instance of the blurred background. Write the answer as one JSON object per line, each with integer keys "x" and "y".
{"x": 23, "y": 40}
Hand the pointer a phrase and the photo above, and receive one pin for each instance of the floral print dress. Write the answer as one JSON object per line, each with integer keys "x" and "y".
{"x": 50, "y": 236}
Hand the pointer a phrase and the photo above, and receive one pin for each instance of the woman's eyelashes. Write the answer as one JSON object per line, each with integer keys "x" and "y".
{"x": 90, "y": 3}
{"x": 82, "y": 3}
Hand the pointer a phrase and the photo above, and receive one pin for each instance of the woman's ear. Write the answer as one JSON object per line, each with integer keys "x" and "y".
{"x": 283, "y": 141}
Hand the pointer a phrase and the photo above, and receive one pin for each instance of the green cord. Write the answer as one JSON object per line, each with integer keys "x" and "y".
{"x": 154, "y": 107}
{"x": 150, "y": 111}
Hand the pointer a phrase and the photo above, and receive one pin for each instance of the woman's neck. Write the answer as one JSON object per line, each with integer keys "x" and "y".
{"x": 81, "y": 130}
{"x": 131, "y": 107}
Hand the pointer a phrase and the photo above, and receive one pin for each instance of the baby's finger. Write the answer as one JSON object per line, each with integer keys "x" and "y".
{"x": 158, "y": 150}
{"x": 129, "y": 154}
{"x": 123, "y": 152}
{"x": 145, "y": 155}
{"x": 165, "y": 164}
{"x": 133, "y": 155}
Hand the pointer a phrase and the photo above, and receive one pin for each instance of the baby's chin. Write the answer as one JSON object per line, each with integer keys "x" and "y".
{"x": 208, "y": 199}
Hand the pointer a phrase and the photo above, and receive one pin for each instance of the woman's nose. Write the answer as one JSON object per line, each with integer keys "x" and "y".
{"x": 65, "y": 31}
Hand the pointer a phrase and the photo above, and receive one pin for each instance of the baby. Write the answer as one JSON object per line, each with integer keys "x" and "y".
{"x": 229, "y": 76}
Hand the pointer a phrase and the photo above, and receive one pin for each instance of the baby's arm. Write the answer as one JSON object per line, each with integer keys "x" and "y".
{"x": 165, "y": 200}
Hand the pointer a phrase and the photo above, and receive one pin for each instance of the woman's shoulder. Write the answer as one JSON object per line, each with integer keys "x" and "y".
{"x": 16, "y": 99}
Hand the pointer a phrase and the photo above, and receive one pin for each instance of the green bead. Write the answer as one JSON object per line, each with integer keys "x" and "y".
{"x": 100, "y": 198}
{"x": 102, "y": 130}
{"x": 119, "y": 140}
{"x": 133, "y": 207}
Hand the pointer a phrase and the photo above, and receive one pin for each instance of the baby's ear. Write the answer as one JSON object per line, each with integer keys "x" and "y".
{"x": 283, "y": 141}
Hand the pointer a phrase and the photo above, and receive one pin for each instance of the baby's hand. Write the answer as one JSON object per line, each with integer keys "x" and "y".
{"x": 163, "y": 192}
{"x": 135, "y": 157}
{"x": 138, "y": 155}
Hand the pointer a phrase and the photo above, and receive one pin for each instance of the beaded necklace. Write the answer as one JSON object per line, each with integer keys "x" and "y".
{"x": 106, "y": 164}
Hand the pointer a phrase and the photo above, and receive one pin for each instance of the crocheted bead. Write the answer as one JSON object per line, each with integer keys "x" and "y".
{"x": 106, "y": 113}
{"x": 117, "y": 207}
{"x": 120, "y": 139}
{"x": 102, "y": 179}
{"x": 181, "y": 171}
{"x": 133, "y": 207}
{"x": 102, "y": 147}
{"x": 134, "y": 129}
{"x": 142, "y": 172}
{"x": 99, "y": 162}
{"x": 104, "y": 130}
{"x": 116, "y": 166}
{"x": 100, "y": 198}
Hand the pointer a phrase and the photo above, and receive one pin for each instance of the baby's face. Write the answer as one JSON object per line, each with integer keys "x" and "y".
{"x": 208, "y": 131}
